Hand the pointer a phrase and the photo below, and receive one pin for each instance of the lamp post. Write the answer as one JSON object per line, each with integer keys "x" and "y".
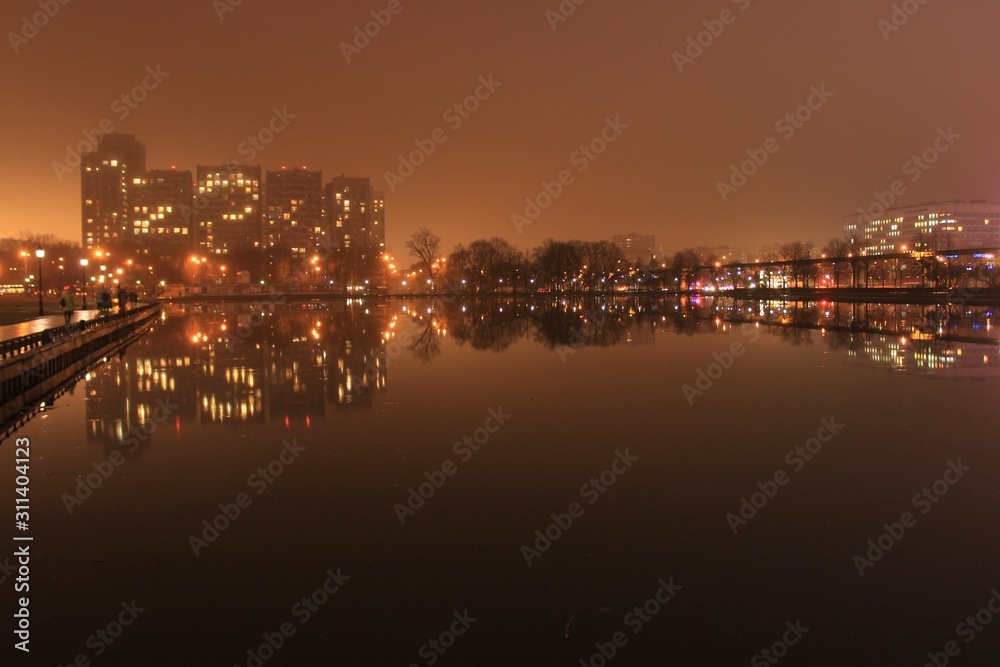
{"x": 39, "y": 254}
{"x": 83, "y": 268}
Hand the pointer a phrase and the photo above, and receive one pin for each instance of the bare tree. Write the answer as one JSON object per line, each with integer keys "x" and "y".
{"x": 837, "y": 251}
{"x": 425, "y": 245}
{"x": 557, "y": 262}
{"x": 796, "y": 255}
{"x": 683, "y": 266}
{"x": 602, "y": 261}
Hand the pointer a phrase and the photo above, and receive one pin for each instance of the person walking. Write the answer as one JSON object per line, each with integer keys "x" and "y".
{"x": 66, "y": 301}
{"x": 121, "y": 294}
{"x": 103, "y": 300}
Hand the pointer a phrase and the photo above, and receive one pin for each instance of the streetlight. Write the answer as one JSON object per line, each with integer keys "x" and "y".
{"x": 83, "y": 268}
{"x": 39, "y": 254}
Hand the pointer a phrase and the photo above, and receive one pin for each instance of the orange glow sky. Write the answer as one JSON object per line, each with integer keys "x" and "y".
{"x": 608, "y": 59}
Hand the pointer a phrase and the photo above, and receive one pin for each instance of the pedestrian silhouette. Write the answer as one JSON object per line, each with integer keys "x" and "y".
{"x": 103, "y": 300}
{"x": 66, "y": 301}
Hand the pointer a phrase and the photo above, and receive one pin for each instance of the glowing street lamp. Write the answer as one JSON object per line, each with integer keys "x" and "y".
{"x": 39, "y": 254}
{"x": 83, "y": 269}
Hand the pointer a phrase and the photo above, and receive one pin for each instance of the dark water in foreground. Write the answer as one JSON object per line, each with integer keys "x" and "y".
{"x": 503, "y": 415}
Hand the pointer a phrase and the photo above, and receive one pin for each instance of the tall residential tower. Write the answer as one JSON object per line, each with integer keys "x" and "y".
{"x": 228, "y": 208}
{"x": 105, "y": 176}
{"x": 293, "y": 210}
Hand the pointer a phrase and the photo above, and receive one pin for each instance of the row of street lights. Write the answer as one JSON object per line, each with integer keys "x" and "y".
{"x": 84, "y": 263}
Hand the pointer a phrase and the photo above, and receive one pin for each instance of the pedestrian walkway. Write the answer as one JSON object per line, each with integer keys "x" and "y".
{"x": 39, "y": 324}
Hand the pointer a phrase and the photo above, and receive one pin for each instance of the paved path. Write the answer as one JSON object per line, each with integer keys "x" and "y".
{"x": 38, "y": 324}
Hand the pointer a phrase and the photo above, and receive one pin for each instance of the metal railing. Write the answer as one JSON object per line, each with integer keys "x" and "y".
{"x": 23, "y": 344}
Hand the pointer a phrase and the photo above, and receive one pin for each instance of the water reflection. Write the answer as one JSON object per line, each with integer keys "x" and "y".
{"x": 289, "y": 364}
{"x": 228, "y": 364}
{"x": 916, "y": 338}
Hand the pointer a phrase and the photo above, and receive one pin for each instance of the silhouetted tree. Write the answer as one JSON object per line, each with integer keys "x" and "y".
{"x": 425, "y": 245}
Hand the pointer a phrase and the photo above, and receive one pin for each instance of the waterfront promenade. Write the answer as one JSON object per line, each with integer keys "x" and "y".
{"x": 38, "y": 359}
{"x": 40, "y": 324}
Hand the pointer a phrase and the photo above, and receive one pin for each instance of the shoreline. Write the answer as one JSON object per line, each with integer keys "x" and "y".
{"x": 962, "y": 295}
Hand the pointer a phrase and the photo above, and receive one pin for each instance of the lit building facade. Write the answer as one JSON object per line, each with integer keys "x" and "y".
{"x": 228, "y": 208}
{"x": 105, "y": 176}
{"x": 935, "y": 226}
{"x": 160, "y": 203}
{"x": 293, "y": 210}
{"x": 378, "y": 221}
{"x": 349, "y": 212}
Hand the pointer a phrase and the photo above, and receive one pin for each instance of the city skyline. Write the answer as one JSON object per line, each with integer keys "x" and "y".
{"x": 222, "y": 208}
{"x": 692, "y": 109}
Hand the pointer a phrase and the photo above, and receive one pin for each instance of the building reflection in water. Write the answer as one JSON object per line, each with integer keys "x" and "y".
{"x": 935, "y": 340}
{"x": 219, "y": 364}
{"x": 227, "y": 364}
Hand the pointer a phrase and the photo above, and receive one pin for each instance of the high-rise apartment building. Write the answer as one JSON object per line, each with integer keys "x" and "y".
{"x": 105, "y": 175}
{"x": 228, "y": 207}
{"x": 223, "y": 207}
{"x": 935, "y": 226}
{"x": 160, "y": 203}
{"x": 349, "y": 212}
{"x": 293, "y": 210}
{"x": 378, "y": 220}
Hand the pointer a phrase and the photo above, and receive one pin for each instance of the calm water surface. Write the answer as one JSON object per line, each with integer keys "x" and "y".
{"x": 530, "y": 410}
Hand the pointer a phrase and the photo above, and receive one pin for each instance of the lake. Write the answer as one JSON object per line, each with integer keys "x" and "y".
{"x": 509, "y": 482}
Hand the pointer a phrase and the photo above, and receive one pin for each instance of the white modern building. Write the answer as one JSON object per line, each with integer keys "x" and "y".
{"x": 936, "y": 226}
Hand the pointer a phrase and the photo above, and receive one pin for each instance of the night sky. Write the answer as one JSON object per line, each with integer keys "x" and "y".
{"x": 608, "y": 60}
